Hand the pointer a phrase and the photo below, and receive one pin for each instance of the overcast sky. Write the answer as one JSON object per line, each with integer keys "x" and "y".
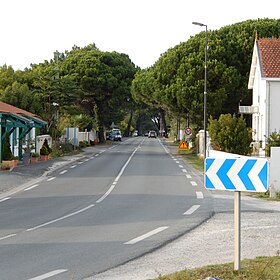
{"x": 32, "y": 30}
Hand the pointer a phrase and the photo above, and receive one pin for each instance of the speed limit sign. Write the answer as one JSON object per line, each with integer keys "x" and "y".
{"x": 188, "y": 130}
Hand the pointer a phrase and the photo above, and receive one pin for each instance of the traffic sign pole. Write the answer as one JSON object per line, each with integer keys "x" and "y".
{"x": 237, "y": 230}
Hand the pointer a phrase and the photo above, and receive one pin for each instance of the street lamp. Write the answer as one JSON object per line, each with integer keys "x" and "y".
{"x": 205, "y": 85}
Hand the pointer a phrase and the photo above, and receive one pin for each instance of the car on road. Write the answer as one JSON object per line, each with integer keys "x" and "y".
{"x": 115, "y": 135}
{"x": 152, "y": 134}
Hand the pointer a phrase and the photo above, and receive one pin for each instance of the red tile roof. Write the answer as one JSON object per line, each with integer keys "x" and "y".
{"x": 7, "y": 108}
{"x": 269, "y": 51}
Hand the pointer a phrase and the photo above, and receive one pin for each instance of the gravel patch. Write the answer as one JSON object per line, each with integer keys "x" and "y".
{"x": 211, "y": 243}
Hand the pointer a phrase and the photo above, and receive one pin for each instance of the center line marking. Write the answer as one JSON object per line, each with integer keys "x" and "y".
{"x": 146, "y": 235}
{"x": 61, "y": 218}
{"x": 4, "y": 199}
{"x": 49, "y": 274}
{"x": 7, "y": 236}
{"x": 117, "y": 178}
{"x": 191, "y": 210}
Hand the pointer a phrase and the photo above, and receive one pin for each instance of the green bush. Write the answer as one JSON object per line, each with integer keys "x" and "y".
{"x": 7, "y": 153}
{"x": 230, "y": 134}
{"x": 45, "y": 150}
{"x": 272, "y": 141}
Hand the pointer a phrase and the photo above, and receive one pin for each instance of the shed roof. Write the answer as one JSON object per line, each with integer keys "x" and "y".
{"x": 15, "y": 111}
{"x": 269, "y": 53}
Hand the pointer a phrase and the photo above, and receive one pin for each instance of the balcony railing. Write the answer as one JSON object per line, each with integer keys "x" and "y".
{"x": 248, "y": 109}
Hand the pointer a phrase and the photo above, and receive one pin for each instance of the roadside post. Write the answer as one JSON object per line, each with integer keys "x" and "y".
{"x": 236, "y": 174}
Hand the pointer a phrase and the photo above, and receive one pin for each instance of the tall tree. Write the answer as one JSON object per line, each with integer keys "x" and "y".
{"x": 104, "y": 79}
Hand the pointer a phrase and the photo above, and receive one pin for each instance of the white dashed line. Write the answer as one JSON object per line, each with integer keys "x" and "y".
{"x": 63, "y": 172}
{"x": 80, "y": 162}
{"x": 50, "y": 179}
{"x": 181, "y": 166}
{"x": 32, "y": 187}
{"x": 73, "y": 166}
{"x": 188, "y": 176}
{"x": 7, "y": 236}
{"x": 191, "y": 210}
{"x": 146, "y": 235}
{"x": 193, "y": 183}
{"x": 184, "y": 170}
{"x": 199, "y": 195}
{"x": 4, "y": 199}
{"x": 87, "y": 159}
{"x": 61, "y": 218}
{"x": 49, "y": 274}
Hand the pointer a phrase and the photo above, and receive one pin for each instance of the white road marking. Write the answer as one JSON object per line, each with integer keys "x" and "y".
{"x": 49, "y": 274}
{"x": 91, "y": 157}
{"x": 63, "y": 172}
{"x": 97, "y": 155}
{"x": 61, "y": 218}
{"x": 199, "y": 195}
{"x": 4, "y": 199}
{"x": 7, "y": 236}
{"x": 50, "y": 179}
{"x": 87, "y": 159}
{"x": 117, "y": 178}
{"x": 181, "y": 166}
{"x": 146, "y": 235}
{"x": 191, "y": 210}
{"x": 184, "y": 170}
{"x": 81, "y": 162}
{"x": 193, "y": 183}
{"x": 177, "y": 161}
{"x": 188, "y": 176}
{"x": 32, "y": 187}
{"x": 73, "y": 166}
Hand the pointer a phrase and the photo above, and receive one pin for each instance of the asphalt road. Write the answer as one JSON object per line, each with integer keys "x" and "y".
{"x": 105, "y": 209}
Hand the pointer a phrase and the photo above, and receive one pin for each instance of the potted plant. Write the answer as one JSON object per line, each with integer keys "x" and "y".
{"x": 5, "y": 165}
{"x": 45, "y": 151}
{"x": 34, "y": 157}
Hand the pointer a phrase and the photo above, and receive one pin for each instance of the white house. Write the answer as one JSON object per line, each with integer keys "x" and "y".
{"x": 264, "y": 80}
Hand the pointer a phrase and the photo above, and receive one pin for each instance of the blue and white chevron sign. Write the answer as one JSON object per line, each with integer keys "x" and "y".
{"x": 236, "y": 174}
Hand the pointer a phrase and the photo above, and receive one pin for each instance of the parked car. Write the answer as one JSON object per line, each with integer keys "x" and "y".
{"x": 152, "y": 134}
{"x": 115, "y": 135}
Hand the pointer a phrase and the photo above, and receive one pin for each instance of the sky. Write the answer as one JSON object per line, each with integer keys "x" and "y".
{"x": 32, "y": 30}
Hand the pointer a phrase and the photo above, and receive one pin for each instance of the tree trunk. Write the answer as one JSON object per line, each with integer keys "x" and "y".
{"x": 99, "y": 123}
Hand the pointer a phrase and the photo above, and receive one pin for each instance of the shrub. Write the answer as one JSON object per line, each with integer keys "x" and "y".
{"x": 45, "y": 150}
{"x": 230, "y": 134}
{"x": 7, "y": 153}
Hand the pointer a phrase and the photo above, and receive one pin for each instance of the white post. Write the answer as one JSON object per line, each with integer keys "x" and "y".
{"x": 237, "y": 234}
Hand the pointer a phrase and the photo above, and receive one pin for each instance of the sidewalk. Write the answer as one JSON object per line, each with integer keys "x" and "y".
{"x": 22, "y": 174}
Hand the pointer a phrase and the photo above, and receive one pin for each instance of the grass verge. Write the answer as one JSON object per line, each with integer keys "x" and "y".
{"x": 260, "y": 268}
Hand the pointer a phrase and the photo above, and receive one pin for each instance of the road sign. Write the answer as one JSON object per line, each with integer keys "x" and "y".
{"x": 188, "y": 130}
{"x": 236, "y": 174}
{"x": 183, "y": 145}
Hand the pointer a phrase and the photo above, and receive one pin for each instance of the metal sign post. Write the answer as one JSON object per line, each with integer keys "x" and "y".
{"x": 237, "y": 230}
{"x": 236, "y": 174}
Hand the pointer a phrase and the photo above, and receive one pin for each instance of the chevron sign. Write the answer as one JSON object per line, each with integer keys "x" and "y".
{"x": 236, "y": 174}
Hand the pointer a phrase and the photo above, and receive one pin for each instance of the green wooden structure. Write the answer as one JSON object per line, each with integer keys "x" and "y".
{"x": 16, "y": 122}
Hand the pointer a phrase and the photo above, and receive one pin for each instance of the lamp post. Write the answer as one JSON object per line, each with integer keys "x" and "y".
{"x": 205, "y": 86}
